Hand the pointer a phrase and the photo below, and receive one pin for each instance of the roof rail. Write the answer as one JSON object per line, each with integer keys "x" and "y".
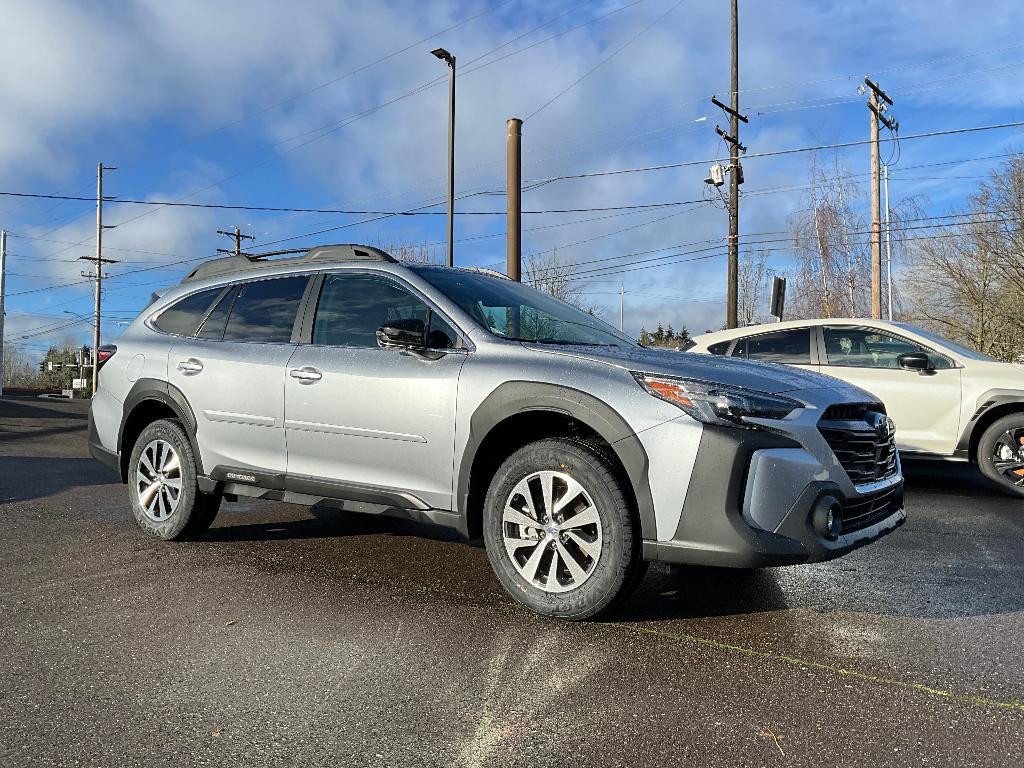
{"x": 319, "y": 254}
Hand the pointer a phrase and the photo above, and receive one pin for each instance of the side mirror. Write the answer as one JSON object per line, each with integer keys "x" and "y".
{"x": 407, "y": 333}
{"x": 915, "y": 361}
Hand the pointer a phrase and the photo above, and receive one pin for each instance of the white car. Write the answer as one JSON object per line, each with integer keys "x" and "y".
{"x": 948, "y": 401}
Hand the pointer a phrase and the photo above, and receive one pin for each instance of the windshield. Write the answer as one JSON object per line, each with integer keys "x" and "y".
{"x": 515, "y": 311}
{"x": 953, "y": 347}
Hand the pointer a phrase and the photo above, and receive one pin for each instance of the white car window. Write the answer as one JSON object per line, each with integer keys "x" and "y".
{"x": 791, "y": 346}
{"x": 855, "y": 347}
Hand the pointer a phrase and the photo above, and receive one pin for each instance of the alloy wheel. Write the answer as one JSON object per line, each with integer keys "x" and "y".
{"x": 552, "y": 531}
{"x": 1008, "y": 456}
{"x": 158, "y": 480}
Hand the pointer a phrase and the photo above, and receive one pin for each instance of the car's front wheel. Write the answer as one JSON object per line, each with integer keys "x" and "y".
{"x": 560, "y": 531}
{"x": 166, "y": 500}
{"x": 1001, "y": 453}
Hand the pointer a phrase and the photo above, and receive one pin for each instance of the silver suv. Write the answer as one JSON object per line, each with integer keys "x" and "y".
{"x": 461, "y": 398}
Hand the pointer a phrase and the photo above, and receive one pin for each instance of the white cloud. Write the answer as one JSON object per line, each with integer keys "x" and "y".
{"x": 106, "y": 79}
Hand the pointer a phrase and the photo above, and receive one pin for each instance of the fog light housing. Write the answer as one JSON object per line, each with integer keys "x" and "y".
{"x": 827, "y": 517}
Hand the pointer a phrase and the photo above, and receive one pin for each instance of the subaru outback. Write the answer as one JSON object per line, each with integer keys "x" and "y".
{"x": 461, "y": 398}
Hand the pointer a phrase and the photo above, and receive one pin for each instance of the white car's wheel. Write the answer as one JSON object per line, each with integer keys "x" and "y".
{"x": 1001, "y": 454}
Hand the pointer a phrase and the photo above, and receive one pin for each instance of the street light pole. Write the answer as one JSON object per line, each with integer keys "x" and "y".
{"x": 444, "y": 55}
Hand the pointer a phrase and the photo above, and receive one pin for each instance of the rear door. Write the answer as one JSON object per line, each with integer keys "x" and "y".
{"x": 790, "y": 346}
{"x": 360, "y": 417}
{"x": 925, "y": 406}
{"x": 232, "y": 374}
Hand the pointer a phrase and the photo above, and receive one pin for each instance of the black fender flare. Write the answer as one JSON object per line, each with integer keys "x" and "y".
{"x": 515, "y": 397}
{"x": 993, "y": 398}
{"x": 162, "y": 392}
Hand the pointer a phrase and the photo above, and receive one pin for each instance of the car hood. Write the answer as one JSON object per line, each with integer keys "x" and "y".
{"x": 996, "y": 375}
{"x": 764, "y": 377}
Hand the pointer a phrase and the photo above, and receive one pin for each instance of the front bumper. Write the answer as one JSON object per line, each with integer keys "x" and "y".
{"x": 751, "y": 503}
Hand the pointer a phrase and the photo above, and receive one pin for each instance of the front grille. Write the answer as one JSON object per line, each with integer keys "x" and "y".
{"x": 871, "y": 508}
{"x": 861, "y": 437}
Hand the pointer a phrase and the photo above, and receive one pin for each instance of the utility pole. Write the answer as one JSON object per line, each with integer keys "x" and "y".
{"x": 238, "y": 237}
{"x": 3, "y": 275}
{"x": 514, "y": 218}
{"x": 878, "y": 103}
{"x": 444, "y": 55}
{"x": 98, "y": 262}
{"x": 622, "y": 306}
{"x": 888, "y": 242}
{"x": 732, "y": 138}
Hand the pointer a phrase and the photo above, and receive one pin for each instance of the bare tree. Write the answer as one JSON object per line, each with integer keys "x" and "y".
{"x": 968, "y": 279}
{"x": 753, "y": 276}
{"x": 830, "y": 249}
{"x": 409, "y": 253}
{"x": 548, "y": 272}
{"x": 19, "y": 370}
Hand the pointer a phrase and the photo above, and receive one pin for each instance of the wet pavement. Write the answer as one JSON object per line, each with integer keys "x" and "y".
{"x": 291, "y": 636}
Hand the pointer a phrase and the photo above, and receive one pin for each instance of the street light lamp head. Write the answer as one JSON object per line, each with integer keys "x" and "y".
{"x": 441, "y": 53}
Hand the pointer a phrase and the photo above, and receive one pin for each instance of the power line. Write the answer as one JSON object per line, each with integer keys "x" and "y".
{"x": 349, "y": 74}
{"x": 899, "y": 68}
{"x": 781, "y": 152}
{"x": 601, "y": 63}
{"x": 325, "y": 131}
{"x": 276, "y": 209}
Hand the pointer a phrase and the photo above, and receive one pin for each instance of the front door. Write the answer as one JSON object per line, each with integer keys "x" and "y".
{"x": 232, "y": 373}
{"x": 361, "y": 416}
{"x": 925, "y": 406}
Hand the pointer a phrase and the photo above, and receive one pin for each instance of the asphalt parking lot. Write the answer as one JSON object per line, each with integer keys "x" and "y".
{"x": 298, "y": 637}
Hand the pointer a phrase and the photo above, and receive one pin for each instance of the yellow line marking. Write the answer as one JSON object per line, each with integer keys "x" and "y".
{"x": 1014, "y": 706}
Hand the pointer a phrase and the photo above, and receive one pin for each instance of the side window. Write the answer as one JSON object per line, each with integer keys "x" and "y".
{"x": 353, "y": 307}
{"x": 720, "y": 348}
{"x": 213, "y": 328}
{"x": 871, "y": 348}
{"x": 184, "y": 316}
{"x": 264, "y": 310}
{"x": 792, "y": 346}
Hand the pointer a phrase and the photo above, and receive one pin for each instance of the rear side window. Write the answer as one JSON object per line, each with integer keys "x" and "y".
{"x": 265, "y": 310}
{"x": 791, "y": 346}
{"x": 353, "y": 307}
{"x": 213, "y": 328}
{"x": 720, "y": 348}
{"x": 183, "y": 317}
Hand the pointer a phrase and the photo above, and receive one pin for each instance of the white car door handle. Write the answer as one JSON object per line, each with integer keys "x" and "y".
{"x": 190, "y": 367}
{"x": 306, "y": 375}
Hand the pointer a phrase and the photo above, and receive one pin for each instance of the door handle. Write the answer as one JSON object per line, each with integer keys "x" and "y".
{"x": 306, "y": 375}
{"x": 190, "y": 367}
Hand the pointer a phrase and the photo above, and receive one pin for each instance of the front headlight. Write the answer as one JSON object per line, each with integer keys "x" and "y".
{"x": 714, "y": 403}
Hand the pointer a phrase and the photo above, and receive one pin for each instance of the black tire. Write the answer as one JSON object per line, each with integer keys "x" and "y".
{"x": 999, "y": 474}
{"x": 194, "y": 511}
{"x": 616, "y": 569}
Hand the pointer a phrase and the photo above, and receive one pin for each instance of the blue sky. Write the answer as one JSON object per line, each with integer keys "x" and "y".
{"x": 249, "y": 103}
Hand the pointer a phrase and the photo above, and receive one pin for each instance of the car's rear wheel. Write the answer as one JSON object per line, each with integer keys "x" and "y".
{"x": 560, "y": 531}
{"x": 166, "y": 500}
{"x": 1001, "y": 454}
